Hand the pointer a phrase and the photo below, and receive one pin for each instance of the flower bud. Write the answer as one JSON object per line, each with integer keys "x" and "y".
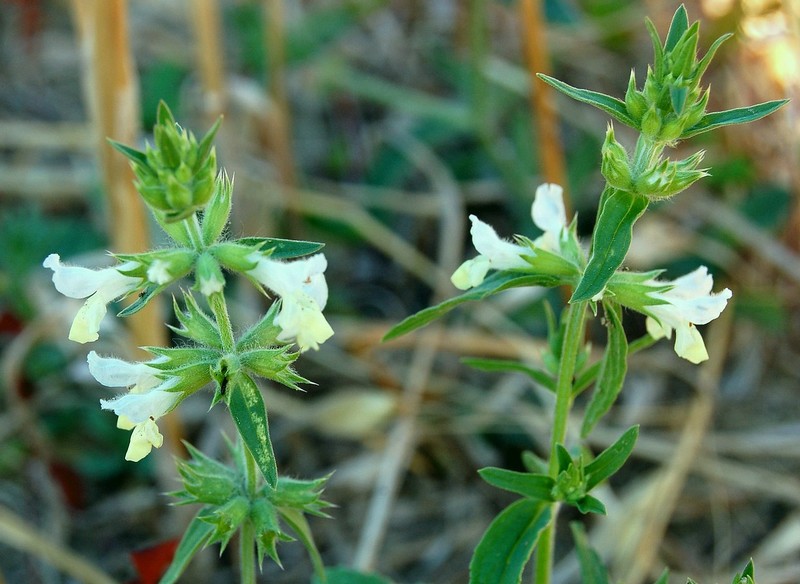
{"x": 208, "y": 275}
{"x": 651, "y": 123}
{"x": 615, "y": 165}
{"x": 635, "y": 102}
{"x": 669, "y": 178}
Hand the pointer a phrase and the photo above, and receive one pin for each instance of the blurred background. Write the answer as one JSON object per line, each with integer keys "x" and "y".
{"x": 377, "y": 126}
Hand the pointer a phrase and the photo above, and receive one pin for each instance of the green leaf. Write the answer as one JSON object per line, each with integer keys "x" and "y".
{"x": 589, "y": 504}
{"x": 299, "y": 525}
{"x": 678, "y": 26}
{"x": 282, "y": 249}
{"x": 612, "y": 372}
{"x": 250, "y": 415}
{"x": 508, "y": 366}
{"x": 195, "y": 323}
{"x": 508, "y": 542}
{"x": 619, "y": 210}
{"x": 495, "y": 283}
{"x": 342, "y": 575}
{"x": 141, "y": 301}
{"x": 614, "y": 107}
{"x": 663, "y": 578}
{"x": 678, "y": 96}
{"x": 611, "y": 459}
{"x": 533, "y": 486}
{"x": 592, "y": 569}
{"x": 204, "y": 148}
{"x": 740, "y": 115}
{"x": 194, "y": 539}
{"x": 129, "y": 153}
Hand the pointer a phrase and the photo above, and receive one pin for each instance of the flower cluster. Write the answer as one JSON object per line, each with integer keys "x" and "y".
{"x": 176, "y": 180}
{"x": 678, "y": 305}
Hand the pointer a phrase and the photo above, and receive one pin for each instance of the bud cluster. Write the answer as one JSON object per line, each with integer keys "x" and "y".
{"x": 176, "y": 178}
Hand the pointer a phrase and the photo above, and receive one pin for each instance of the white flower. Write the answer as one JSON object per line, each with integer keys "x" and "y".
{"x": 495, "y": 254}
{"x": 99, "y": 287}
{"x": 688, "y": 303}
{"x": 139, "y": 412}
{"x": 549, "y": 215}
{"x": 304, "y": 294}
{"x": 146, "y": 401}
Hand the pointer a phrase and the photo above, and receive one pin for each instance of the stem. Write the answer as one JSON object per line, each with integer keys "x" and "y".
{"x": 573, "y": 339}
{"x": 193, "y": 230}
{"x": 247, "y": 552}
{"x": 220, "y": 309}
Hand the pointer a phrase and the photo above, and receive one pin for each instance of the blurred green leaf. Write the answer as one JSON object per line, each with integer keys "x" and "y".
{"x": 533, "y": 486}
{"x": 740, "y": 115}
{"x": 194, "y": 539}
{"x": 342, "y": 575}
{"x": 592, "y": 569}
{"x": 507, "y": 544}
{"x": 506, "y": 366}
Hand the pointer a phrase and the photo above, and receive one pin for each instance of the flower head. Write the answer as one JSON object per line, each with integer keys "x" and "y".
{"x": 678, "y": 305}
{"x": 99, "y": 287}
{"x": 304, "y": 294}
{"x": 147, "y": 400}
{"x": 495, "y": 253}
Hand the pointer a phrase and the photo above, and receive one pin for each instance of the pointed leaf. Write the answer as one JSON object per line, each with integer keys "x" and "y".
{"x": 299, "y": 525}
{"x": 679, "y": 25}
{"x": 194, "y": 539}
{"x": 130, "y": 153}
{"x": 611, "y": 105}
{"x": 141, "y": 301}
{"x": 619, "y": 210}
{"x": 592, "y": 569}
{"x": 250, "y": 415}
{"x": 589, "y": 504}
{"x": 533, "y": 486}
{"x": 495, "y": 283}
{"x": 507, "y": 544}
{"x": 678, "y": 96}
{"x": 204, "y": 148}
{"x": 282, "y": 249}
{"x": 740, "y": 115}
{"x": 611, "y": 459}
{"x": 506, "y": 366}
{"x": 612, "y": 370}
{"x": 663, "y": 578}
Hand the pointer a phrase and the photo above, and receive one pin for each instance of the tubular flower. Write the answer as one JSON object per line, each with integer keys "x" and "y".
{"x": 687, "y": 303}
{"x": 304, "y": 293}
{"x": 99, "y": 287}
{"x": 548, "y": 214}
{"x": 138, "y": 410}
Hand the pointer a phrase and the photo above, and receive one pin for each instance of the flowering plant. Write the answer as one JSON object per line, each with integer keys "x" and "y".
{"x": 179, "y": 182}
{"x": 670, "y": 107}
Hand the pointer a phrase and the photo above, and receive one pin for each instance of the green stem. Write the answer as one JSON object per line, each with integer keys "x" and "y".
{"x": 571, "y": 344}
{"x": 247, "y": 552}
{"x": 194, "y": 231}
{"x": 220, "y": 309}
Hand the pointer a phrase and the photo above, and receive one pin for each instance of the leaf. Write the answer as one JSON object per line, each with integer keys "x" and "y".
{"x": 508, "y": 366}
{"x": 495, "y": 283}
{"x": 611, "y": 459}
{"x": 592, "y": 569}
{"x": 342, "y": 575}
{"x": 282, "y": 249}
{"x": 141, "y": 301}
{"x": 299, "y": 525}
{"x": 663, "y": 578}
{"x": 533, "y": 486}
{"x": 730, "y": 117}
{"x": 614, "y": 107}
{"x": 612, "y": 372}
{"x": 250, "y": 415}
{"x": 194, "y": 539}
{"x": 129, "y": 153}
{"x": 678, "y": 96}
{"x": 619, "y": 210}
{"x": 508, "y": 542}
{"x": 678, "y": 26}
{"x": 589, "y": 504}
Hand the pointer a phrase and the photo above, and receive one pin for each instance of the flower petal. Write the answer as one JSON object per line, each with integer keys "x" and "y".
{"x": 471, "y": 273}
{"x": 113, "y": 372}
{"x": 501, "y": 254}
{"x": 138, "y": 407}
{"x": 548, "y": 211}
{"x": 301, "y": 319}
{"x": 689, "y": 344}
{"x": 143, "y": 438}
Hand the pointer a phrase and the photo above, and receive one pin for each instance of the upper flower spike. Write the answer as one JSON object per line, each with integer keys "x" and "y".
{"x": 304, "y": 294}
{"x": 99, "y": 287}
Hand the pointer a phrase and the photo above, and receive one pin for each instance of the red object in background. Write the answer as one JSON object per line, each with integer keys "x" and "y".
{"x": 151, "y": 562}
{"x": 30, "y": 19}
